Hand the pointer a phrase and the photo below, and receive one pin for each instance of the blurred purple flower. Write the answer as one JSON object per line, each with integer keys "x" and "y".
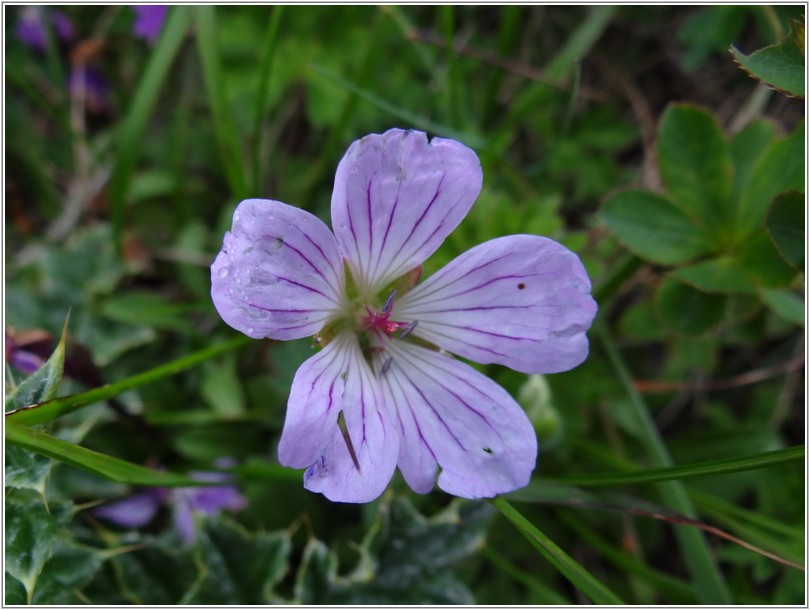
{"x": 95, "y": 87}
{"x": 149, "y": 21}
{"x": 31, "y": 27}
{"x": 21, "y": 350}
{"x": 521, "y": 301}
{"x": 185, "y": 502}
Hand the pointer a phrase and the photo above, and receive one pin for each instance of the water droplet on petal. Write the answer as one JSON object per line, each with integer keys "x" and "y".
{"x": 223, "y": 272}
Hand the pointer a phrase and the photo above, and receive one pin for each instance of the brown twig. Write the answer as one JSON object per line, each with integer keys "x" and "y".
{"x": 755, "y": 376}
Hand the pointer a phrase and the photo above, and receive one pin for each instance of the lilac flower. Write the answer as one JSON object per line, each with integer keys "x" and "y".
{"x": 31, "y": 27}
{"x": 92, "y": 85}
{"x": 384, "y": 392}
{"x": 149, "y": 21}
{"x": 139, "y": 509}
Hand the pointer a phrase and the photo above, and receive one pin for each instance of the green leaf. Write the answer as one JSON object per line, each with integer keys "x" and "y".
{"x": 583, "y": 580}
{"x": 785, "y": 224}
{"x": 721, "y": 274}
{"x": 147, "y": 308}
{"x": 687, "y": 310}
{"x": 240, "y": 568}
{"x": 47, "y": 411}
{"x": 137, "y": 116}
{"x": 26, "y": 470}
{"x": 761, "y": 262}
{"x": 746, "y": 147}
{"x": 405, "y": 559}
{"x": 780, "y": 66}
{"x": 222, "y": 114}
{"x": 780, "y": 168}
{"x": 44, "y": 382}
{"x": 651, "y": 227}
{"x": 222, "y": 388}
{"x": 695, "y": 165}
{"x": 103, "y": 465}
{"x": 31, "y": 531}
{"x": 785, "y": 303}
{"x": 69, "y": 568}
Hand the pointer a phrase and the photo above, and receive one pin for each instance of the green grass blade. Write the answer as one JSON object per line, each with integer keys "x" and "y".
{"x": 105, "y": 466}
{"x": 546, "y": 594}
{"x": 227, "y": 137}
{"x": 47, "y": 411}
{"x": 265, "y": 74}
{"x": 583, "y": 580}
{"x": 580, "y": 41}
{"x": 709, "y": 583}
{"x": 419, "y": 122}
{"x": 137, "y": 116}
{"x": 685, "y": 471}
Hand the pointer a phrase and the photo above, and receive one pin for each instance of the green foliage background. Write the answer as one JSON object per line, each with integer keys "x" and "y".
{"x": 627, "y": 133}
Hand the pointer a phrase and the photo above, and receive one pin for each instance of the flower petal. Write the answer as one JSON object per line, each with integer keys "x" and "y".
{"x": 373, "y": 439}
{"x": 449, "y": 413}
{"x": 396, "y": 197}
{"x": 316, "y": 399}
{"x": 522, "y": 301}
{"x": 279, "y": 274}
{"x": 134, "y": 511}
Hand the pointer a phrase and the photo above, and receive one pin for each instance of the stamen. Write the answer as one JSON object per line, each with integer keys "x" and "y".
{"x": 389, "y": 303}
{"x": 408, "y": 329}
{"x": 386, "y": 365}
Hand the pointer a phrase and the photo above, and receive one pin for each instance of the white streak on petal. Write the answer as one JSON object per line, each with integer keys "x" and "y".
{"x": 522, "y": 301}
{"x": 396, "y": 198}
{"x": 279, "y": 274}
{"x": 376, "y": 444}
{"x": 480, "y": 437}
{"x": 316, "y": 399}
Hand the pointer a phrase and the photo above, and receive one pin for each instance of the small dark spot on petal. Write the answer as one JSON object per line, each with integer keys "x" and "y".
{"x": 488, "y": 450}
{"x": 521, "y": 286}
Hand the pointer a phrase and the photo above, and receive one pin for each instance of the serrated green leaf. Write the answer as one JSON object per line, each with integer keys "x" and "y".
{"x": 695, "y": 165}
{"x": 780, "y": 66}
{"x": 785, "y": 303}
{"x": 687, "y": 310}
{"x": 26, "y": 470}
{"x": 31, "y": 531}
{"x": 15, "y": 594}
{"x": 652, "y": 227}
{"x": 780, "y": 168}
{"x": 240, "y": 568}
{"x": 405, "y": 559}
{"x": 157, "y": 574}
{"x": 44, "y": 382}
{"x": 103, "y": 465}
{"x": 785, "y": 225}
{"x": 69, "y": 568}
{"x": 721, "y": 274}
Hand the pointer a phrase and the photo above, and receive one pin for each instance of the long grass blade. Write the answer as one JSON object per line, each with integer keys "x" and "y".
{"x": 583, "y": 580}
{"x": 49, "y": 410}
{"x": 106, "y": 466}
{"x": 137, "y": 117}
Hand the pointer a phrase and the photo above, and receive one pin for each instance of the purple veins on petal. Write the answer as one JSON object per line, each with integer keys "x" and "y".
{"x": 279, "y": 274}
{"x": 448, "y": 414}
{"x": 522, "y": 301}
{"x": 396, "y": 198}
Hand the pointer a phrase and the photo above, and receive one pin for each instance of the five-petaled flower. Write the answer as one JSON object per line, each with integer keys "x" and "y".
{"x": 384, "y": 391}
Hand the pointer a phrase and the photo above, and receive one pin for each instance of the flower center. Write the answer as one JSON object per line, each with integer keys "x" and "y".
{"x": 380, "y": 323}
